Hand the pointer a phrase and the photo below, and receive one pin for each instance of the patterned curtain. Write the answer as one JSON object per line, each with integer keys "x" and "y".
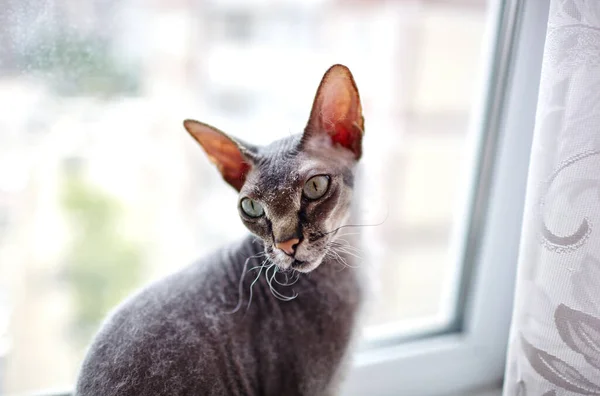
{"x": 555, "y": 337}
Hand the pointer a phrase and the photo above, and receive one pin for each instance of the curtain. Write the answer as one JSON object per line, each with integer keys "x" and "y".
{"x": 554, "y": 346}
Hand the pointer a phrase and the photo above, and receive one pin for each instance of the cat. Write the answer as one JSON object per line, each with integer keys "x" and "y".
{"x": 273, "y": 314}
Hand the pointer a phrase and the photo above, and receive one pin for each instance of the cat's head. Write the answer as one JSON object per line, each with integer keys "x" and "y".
{"x": 296, "y": 192}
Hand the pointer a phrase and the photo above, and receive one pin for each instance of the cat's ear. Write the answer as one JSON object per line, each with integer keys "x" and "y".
{"x": 337, "y": 111}
{"x": 232, "y": 158}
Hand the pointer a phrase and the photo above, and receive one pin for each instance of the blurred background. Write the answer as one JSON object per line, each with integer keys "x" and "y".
{"x": 102, "y": 190}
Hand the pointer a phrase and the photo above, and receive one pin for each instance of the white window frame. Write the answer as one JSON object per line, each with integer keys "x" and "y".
{"x": 473, "y": 354}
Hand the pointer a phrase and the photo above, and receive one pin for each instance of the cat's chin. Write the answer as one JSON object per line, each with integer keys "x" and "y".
{"x": 304, "y": 266}
{"x": 285, "y": 262}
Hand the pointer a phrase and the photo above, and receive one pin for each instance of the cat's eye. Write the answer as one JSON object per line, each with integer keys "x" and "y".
{"x": 252, "y": 208}
{"x": 316, "y": 186}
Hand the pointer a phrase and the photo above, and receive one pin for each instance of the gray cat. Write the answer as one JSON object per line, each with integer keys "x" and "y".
{"x": 273, "y": 315}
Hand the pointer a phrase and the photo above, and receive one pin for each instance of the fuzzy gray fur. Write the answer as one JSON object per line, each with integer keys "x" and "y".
{"x": 197, "y": 332}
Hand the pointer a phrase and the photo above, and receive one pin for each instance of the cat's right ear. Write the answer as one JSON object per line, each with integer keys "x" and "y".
{"x": 337, "y": 112}
{"x": 232, "y": 158}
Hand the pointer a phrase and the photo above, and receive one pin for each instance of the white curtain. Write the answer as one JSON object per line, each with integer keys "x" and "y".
{"x": 555, "y": 337}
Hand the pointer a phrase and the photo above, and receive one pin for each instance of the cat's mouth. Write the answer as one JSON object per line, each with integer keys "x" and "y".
{"x": 285, "y": 262}
{"x": 303, "y": 266}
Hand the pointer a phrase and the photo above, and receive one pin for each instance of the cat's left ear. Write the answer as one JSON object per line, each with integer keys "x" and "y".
{"x": 232, "y": 158}
{"x": 337, "y": 112}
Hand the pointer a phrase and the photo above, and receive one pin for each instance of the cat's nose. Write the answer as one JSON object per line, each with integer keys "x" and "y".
{"x": 289, "y": 246}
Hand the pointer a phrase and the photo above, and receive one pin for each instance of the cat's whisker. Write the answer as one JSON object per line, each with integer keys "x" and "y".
{"x": 338, "y": 249}
{"x": 241, "y": 283}
{"x": 339, "y": 258}
{"x": 343, "y": 239}
{"x": 274, "y": 292}
{"x": 346, "y": 245}
{"x": 256, "y": 267}
{"x": 287, "y": 278}
{"x": 357, "y": 225}
{"x": 355, "y": 254}
{"x": 253, "y": 282}
{"x": 285, "y": 298}
{"x": 343, "y": 260}
{"x": 343, "y": 243}
{"x": 330, "y": 255}
{"x": 297, "y": 275}
{"x": 346, "y": 234}
{"x": 293, "y": 279}
{"x": 275, "y": 278}
{"x": 345, "y": 250}
{"x": 342, "y": 250}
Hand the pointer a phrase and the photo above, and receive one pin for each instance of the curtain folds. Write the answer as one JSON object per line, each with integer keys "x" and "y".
{"x": 554, "y": 346}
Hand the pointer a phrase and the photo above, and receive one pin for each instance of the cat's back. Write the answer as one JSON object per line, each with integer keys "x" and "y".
{"x": 161, "y": 337}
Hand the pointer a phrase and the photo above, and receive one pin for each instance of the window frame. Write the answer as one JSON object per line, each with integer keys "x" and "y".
{"x": 471, "y": 354}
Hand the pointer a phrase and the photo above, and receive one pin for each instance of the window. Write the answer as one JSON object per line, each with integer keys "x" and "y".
{"x": 108, "y": 192}
{"x": 236, "y": 26}
{"x": 232, "y": 101}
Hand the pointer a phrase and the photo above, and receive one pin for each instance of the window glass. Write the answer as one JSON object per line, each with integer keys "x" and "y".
{"x": 102, "y": 190}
